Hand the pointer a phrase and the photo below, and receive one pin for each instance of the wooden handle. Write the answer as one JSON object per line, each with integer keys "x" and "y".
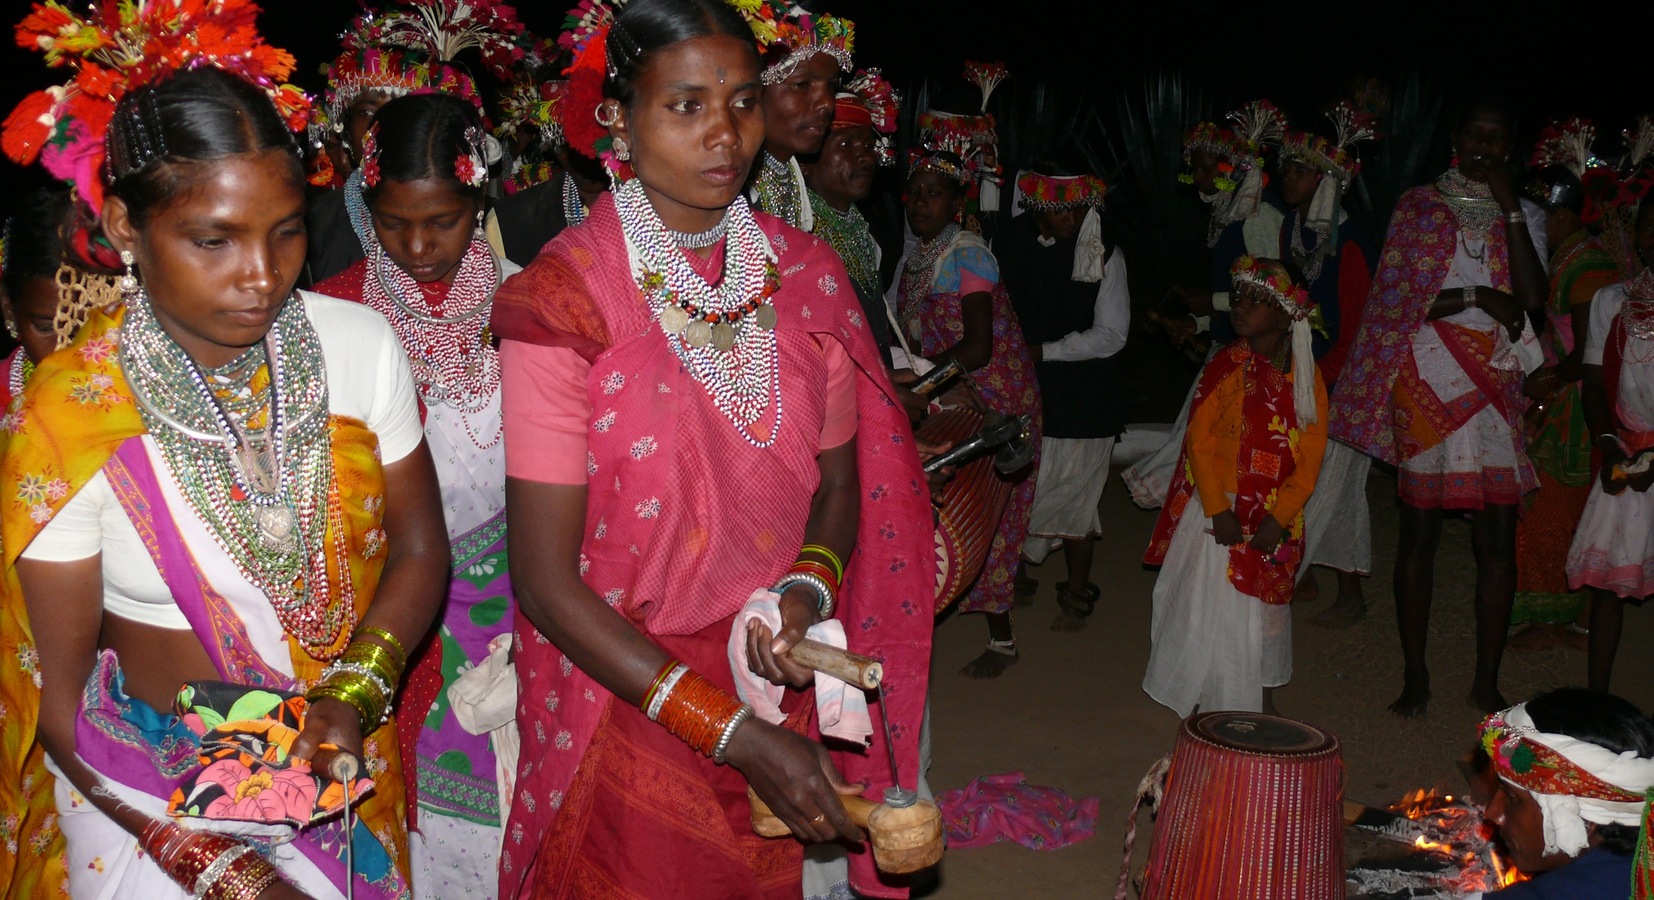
{"x": 847, "y": 667}
{"x": 765, "y": 823}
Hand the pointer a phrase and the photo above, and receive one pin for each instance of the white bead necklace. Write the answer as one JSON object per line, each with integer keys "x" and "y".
{"x": 723, "y": 335}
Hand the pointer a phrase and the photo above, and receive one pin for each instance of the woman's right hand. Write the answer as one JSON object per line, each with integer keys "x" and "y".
{"x": 794, "y": 775}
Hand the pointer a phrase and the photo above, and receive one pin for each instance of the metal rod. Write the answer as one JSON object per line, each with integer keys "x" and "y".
{"x": 889, "y": 745}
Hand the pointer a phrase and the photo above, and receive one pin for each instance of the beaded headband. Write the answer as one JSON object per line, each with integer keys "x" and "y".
{"x": 394, "y": 72}
{"x": 1275, "y": 283}
{"x": 1335, "y": 157}
{"x": 1051, "y": 192}
{"x": 117, "y": 48}
{"x": 789, "y": 36}
{"x": 945, "y": 158}
{"x": 470, "y": 167}
{"x": 972, "y": 138}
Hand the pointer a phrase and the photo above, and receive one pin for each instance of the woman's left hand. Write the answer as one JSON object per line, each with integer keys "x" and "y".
{"x": 332, "y": 722}
{"x": 767, "y": 652}
{"x": 1268, "y": 535}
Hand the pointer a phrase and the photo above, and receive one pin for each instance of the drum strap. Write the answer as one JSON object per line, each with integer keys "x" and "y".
{"x": 1151, "y": 788}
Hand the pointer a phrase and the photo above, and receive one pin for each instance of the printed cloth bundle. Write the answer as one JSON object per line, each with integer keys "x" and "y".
{"x": 248, "y": 772}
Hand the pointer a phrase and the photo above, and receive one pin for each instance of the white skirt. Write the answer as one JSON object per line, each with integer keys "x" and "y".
{"x": 1613, "y": 547}
{"x": 1338, "y": 527}
{"x": 1072, "y": 474}
{"x": 1213, "y": 646}
{"x": 1150, "y": 479}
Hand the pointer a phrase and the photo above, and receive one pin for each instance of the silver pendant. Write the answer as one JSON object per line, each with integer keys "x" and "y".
{"x": 723, "y": 337}
{"x": 278, "y": 529}
{"x": 673, "y": 319}
{"x": 698, "y": 334}
{"x": 766, "y": 317}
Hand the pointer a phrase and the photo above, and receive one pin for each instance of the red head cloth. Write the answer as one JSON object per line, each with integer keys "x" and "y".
{"x": 850, "y": 111}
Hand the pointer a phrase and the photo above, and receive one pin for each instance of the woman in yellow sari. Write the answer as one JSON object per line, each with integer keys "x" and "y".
{"x": 221, "y": 484}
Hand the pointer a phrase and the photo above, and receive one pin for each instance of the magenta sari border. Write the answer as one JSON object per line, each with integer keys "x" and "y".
{"x": 136, "y": 486}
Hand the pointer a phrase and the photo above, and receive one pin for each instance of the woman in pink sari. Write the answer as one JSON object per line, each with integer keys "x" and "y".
{"x": 694, "y": 410}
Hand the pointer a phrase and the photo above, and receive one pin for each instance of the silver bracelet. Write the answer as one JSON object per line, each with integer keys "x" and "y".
{"x": 722, "y": 747}
{"x": 665, "y": 690}
{"x": 216, "y": 869}
{"x": 1469, "y": 296}
{"x": 1516, "y": 218}
{"x": 824, "y": 591}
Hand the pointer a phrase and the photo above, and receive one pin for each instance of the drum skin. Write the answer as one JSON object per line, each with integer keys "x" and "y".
{"x": 968, "y": 510}
{"x": 1253, "y": 810}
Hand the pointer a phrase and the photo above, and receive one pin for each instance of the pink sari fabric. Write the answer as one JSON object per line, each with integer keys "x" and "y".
{"x": 1418, "y": 251}
{"x": 1007, "y": 384}
{"x": 685, "y": 517}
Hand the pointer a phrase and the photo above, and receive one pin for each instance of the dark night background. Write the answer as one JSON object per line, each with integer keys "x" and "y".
{"x": 1589, "y": 59}
{"x": 1098, "y": 78}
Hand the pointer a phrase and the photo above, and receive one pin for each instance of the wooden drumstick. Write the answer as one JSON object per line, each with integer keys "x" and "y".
{"x": 904, "y": 840}
{"x": 850, "y": 668}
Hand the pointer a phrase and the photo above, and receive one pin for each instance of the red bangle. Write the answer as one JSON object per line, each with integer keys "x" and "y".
{"x": 818, "y": 569}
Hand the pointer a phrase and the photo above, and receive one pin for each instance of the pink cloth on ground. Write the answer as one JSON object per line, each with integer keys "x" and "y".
{"x": 841, "y": 710}
{"x": 994, "y": 808}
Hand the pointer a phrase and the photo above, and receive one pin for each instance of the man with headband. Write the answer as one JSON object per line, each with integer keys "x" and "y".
{"x": 1576, "y": 769}
{"x": 841, "y": 175}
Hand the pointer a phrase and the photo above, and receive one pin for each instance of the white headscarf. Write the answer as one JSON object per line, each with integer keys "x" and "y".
{"x": 1565, "y": 814}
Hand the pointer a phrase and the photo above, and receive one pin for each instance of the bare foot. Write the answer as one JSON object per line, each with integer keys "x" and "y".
{"x": 991, "y": 664}
{"x": 1347, "y": 610}
{"x": 1068, "y": 622}
{"x": 1074, "y": 607}
{"x": 1308, "y": 590}
{"x": 1414, "y": 699}
{"x": 1486, "y": 698}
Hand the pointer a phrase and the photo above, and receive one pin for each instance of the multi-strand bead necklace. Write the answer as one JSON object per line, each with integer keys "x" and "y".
{"x": 724, "y": 335}
{"x": 248, "y": 445}
{"x": 918, "y": 272}
{"x": 448, "y": 344}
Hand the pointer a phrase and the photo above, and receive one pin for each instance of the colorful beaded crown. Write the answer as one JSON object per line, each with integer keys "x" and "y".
{"x": 789, "y": 35}
{"x": 1049, "y": 192}
{"x": 115, "y": 49}
{"x": 1274, "y": 282}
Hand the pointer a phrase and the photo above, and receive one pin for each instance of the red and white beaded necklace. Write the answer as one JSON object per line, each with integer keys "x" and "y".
{"x": 449, "y": 347}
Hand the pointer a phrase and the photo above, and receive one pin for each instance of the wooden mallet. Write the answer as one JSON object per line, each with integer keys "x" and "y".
{"x": 904, "y": 831}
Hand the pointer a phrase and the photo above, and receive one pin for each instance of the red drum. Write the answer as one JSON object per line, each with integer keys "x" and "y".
{"x": 1253, "y": 810}
{"x": 970, "y": 507}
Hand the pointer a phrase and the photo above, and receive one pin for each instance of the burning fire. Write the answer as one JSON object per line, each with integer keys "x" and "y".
{"x": 1450, "y": 829}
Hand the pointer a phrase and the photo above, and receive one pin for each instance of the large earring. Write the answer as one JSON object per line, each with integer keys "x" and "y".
{"x": 606, "y": 113}
{"x": 11, "y": 328}
{"x": 622, "y": 151}
{"x": 129, "y": 282}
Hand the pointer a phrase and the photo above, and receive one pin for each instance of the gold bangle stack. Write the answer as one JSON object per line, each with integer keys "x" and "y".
{"x": 365, "y": 676}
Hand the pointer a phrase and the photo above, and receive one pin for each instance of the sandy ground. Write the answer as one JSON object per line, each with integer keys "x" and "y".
{"x": 1071, "y": 713}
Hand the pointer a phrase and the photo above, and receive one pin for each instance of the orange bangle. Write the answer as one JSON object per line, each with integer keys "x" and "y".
{"x": 697, "y": 712}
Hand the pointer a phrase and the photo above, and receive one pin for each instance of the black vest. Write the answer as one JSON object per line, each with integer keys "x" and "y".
{"x": 1081, "y": 398}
